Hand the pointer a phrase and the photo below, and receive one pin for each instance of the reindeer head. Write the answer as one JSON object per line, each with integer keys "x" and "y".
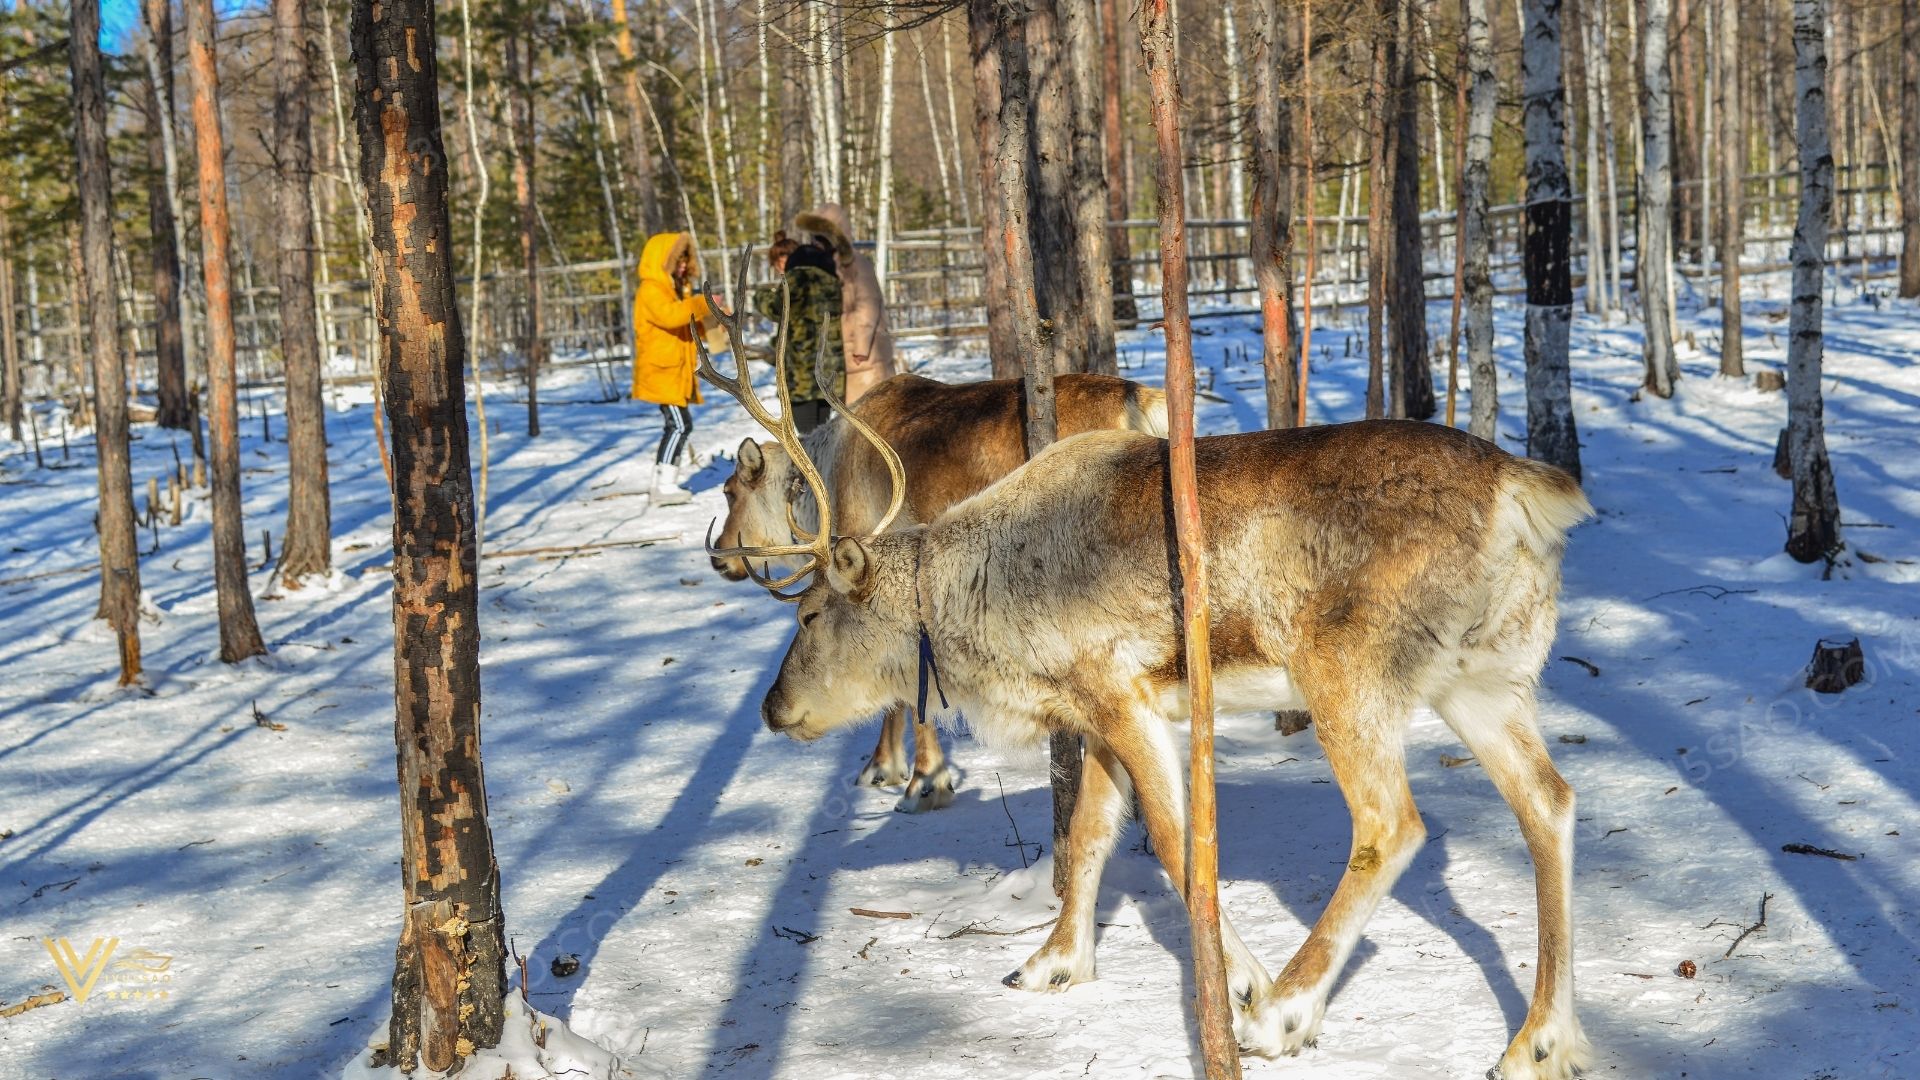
{"x": 854, "y": 653}
{"x": 857, "y": 628}
{"x": 762, "y": 486}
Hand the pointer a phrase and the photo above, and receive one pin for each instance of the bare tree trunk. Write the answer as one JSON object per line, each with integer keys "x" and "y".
{"x": 169, "y": 345}
{"x": 239, "y": 633}
{"x": 533, "y": 347}
{"x": 1587, "y": 23}
{"x": 1551, "y": 433}
{"x": 1603, "y": 37}
{"x": 307, "y": 547}
{"x": 1733, "y": 161}
{"x": 1412, "y": 369}
{"x": 1213, "y": 1007}
{"x": 1380, "y": 103}
{"x": 449, "y": 978}
{"x": 11, "y": 391}
{"x": 1482, "y": 97}
{"x": 948, "y": 196}
{"x": 119, "y": 553}
{"x": 1309, "y": 183}
{"x": 1063, "y": 304}
{"x": 883, "y": 232}
{"x": 1080, "y": 34}
{"x": 1910, "y": 148}
{"x": 1008, "y": 351}
{"x": 1126, "y": 309}
{"x": 1463, "y": 79}
{"x": 1813, "y": 529}
{"x": 1272, "y": 246}
{"x": 478, "y": 255}
{"x": 1686, "y": 164}
{"x": 1654, "y": 260}
{"x": 159, "y": 59}
{"x": 999, "y": 27}
{"x": 643, "y": 181}
{"x": 953, "y": 126}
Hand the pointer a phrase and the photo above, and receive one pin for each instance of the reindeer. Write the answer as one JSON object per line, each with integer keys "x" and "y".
{"x": 1359, "y": 569}
{"x": 952, "y": 441}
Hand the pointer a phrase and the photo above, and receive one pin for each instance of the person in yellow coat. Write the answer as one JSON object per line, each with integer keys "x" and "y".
{"x": 666, "y": 316}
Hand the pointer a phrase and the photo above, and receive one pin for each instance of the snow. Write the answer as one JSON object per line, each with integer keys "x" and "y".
{"x": 702, "y": 869}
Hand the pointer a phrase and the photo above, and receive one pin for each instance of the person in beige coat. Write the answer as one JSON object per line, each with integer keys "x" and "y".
{"x": 865, "y": 340}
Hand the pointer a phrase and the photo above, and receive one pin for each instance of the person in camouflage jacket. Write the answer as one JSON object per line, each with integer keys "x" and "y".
{"x": 813, "y": 325}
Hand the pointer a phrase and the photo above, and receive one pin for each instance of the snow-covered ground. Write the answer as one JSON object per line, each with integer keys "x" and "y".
{"x": 702, "y": 869}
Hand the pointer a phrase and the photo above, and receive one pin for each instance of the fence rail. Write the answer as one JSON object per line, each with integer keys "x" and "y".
{"x": 935, "y": 287}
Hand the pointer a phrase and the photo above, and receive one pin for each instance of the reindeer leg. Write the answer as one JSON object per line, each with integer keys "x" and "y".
{"x": 1067, "y": 957}
{"x": 888, "y": 765}
{"x": 1363, "y": 743}
{"x": 1146, "y": 746}
{"x": 1498, "y": 725}
{"x": 934, "y": 778}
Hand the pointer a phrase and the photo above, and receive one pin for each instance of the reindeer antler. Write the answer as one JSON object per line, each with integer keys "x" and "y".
{"x": 817, "y": 546}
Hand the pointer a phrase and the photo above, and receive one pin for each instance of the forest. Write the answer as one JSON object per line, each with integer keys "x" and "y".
{"x": 1230, "y": 417}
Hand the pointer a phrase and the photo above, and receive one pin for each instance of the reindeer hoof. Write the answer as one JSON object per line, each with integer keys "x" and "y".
{"x": 1053, "y": 967}
{"x": 929, "y": 791}
{"x": 882, "y": 774}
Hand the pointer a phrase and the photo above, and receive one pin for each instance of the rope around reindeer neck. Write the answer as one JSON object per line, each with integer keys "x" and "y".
{"x": 927, "y": 663}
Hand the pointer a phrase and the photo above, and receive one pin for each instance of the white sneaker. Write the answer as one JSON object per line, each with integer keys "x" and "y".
{"x": 666, "y": 486}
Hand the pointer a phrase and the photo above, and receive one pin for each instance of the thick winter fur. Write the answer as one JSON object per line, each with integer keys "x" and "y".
{"x": 953, "y": 440}
{"x": 1359, "y": 569}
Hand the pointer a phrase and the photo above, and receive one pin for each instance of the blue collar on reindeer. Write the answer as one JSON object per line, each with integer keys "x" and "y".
{"x": 927, "y": 663}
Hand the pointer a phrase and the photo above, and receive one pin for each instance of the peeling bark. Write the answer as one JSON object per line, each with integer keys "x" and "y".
{"x": 1483, "y": 93}
{"x": 449, "y": 978}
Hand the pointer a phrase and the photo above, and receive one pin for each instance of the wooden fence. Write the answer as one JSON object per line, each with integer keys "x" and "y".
{"x": 935, "y": 286}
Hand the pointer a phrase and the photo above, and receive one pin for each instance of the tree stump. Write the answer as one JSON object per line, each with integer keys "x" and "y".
{"x": 1292, "y": 721}
{"x": 1768, "y": 381}
{"x": 1782, "y": 464}
{"x": 1836, "y": 665}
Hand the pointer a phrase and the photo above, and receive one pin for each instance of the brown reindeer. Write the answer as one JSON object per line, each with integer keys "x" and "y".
{"x": 952, "y": 441}
{"x": 1360, "y": 569}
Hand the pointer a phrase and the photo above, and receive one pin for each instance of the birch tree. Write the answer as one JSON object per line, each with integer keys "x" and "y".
{"x": 449, "y": 979}
{"x": 119, "y": 554}
{"x": 1551, "y": 433}
{"x": 1483, "y": 91}
{"x": 307, "y": 547}
{"x": 239, "y": 632}
{"x": 1654, "y": 263}
{"x": 1733, "y": 158}
{"x": 1272, "y": 247}
{"x": 1813, "y": 528}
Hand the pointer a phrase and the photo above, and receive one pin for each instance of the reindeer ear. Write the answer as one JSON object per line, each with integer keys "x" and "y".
{"x": 851, "y": 566}
{"x": 749, "y": 462}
